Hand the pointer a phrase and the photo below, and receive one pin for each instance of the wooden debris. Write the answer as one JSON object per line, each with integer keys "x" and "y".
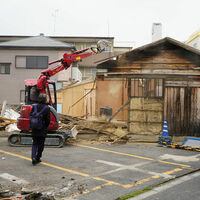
{"x": 7, "y": 119}
{"x": 109, "y": 132}
{"x": 5, "y": 122}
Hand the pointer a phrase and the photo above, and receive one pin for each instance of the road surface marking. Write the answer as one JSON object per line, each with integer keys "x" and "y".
{"x": 13, "y": 179}
{"x": 131, "y": 155}
{"x": 115, "y": 152}
{"x": 16, "y": 155}
{"x": 61, "y": 168}
{"x": 47, "y": 164}
{"x": 110, "y": 163}
{"x": 172, "y": 163}
{"x": 111, "y": 182}
{"x": 64, "y": 169}
{"x": 88, "y": 191}
{"x": 172, "y": 171}
{"x": 180, "y": 158}
{"x": 166, "y": 186}
{"x": 132, "y": 167}
{"x": 87, "y": 175}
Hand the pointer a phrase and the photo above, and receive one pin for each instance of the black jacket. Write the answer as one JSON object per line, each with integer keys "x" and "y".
{"x": 45, "y": 120}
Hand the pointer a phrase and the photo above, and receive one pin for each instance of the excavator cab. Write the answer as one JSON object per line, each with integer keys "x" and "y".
{"x": 31, "y": 97}
{"x": 55, "y": 138}
{"x": 32, "y": 93}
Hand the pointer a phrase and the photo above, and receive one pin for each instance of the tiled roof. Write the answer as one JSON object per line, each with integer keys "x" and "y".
{"x": 36, "y": 42}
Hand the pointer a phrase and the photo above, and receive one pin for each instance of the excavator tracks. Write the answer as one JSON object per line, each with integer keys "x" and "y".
{"x": 53, "y": 139}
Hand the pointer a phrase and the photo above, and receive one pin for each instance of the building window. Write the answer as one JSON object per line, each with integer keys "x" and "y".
{"x": 31, "y": 62}
{"x": 142, "y": 87}
{"x": 4, "y": 68}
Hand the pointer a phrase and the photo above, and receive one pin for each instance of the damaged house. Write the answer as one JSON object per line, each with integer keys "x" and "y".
{"x": 151, "y": 83}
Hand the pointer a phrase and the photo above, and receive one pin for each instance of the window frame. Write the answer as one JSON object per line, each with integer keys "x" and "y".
{"x": 142, "y": 87}
{"x": 26, "y": 56}
{"x": 5, "y": 63}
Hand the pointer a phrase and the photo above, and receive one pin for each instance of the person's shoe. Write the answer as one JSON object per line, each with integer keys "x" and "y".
{"x": 35, "y": 161}
{"x": 38, "y": 159}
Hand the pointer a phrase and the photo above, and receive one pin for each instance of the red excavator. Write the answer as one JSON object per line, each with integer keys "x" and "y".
{"x": 33, "y": 87}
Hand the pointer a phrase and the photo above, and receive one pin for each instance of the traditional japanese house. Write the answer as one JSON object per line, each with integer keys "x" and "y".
{"x": 158, "y": 81}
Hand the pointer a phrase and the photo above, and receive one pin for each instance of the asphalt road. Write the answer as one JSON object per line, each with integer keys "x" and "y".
{"x": 90, "y": 171}
{"x": 183, "y": 188}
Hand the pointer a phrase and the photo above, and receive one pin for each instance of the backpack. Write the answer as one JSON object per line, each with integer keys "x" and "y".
{"x": 36, "y": 118}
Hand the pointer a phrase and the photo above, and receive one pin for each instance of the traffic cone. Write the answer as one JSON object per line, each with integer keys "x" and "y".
{"x": 165, "y": 129}
{"x": 165, "y": 139}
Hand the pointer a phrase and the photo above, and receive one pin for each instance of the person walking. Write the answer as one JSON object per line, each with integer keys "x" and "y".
{"x": 39, "y": 122}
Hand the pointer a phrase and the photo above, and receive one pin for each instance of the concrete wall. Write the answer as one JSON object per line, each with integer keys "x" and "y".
{"x": 11, "y": 84}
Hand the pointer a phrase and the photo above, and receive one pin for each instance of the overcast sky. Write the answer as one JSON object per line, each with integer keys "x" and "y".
{"x": 125, "y": 20}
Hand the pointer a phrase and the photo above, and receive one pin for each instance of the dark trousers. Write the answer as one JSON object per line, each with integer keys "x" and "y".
{"x": 37, "y": 147}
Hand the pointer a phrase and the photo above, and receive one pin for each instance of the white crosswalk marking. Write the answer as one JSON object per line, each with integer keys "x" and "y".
{"x": 132, "y": 167}
{"x": 13, "y": 179}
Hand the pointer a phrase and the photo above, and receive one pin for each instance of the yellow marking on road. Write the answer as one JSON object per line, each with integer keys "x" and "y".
{"x": 64, "y": 169}
{"x": 107, "y": 182}
{"x": 142, "y": 181}
{"x": 47, "y": 164}
{"x": 131, "y": 155}
{"x": 172, "y": 171}
{"x": 149, "y": 178}
{"x": 172, "y": 163}
{"x": 121, "y": 185}
{"x": 100, "y": 186}
{"x": 16, "y": 155}
{"x": 156, "y": 176}
{"x": 78, "y": 193}
{"x": 87, "y": 191}
{"x": 115, "y": 152}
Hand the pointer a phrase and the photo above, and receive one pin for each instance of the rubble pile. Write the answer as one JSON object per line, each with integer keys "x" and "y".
{"x": 32, "y": 195}
{"x": 93, "y": 130}
{"x": 4, "y": 123}
{"x": 65, "y": 191}
{"x": 111, "y": 132}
